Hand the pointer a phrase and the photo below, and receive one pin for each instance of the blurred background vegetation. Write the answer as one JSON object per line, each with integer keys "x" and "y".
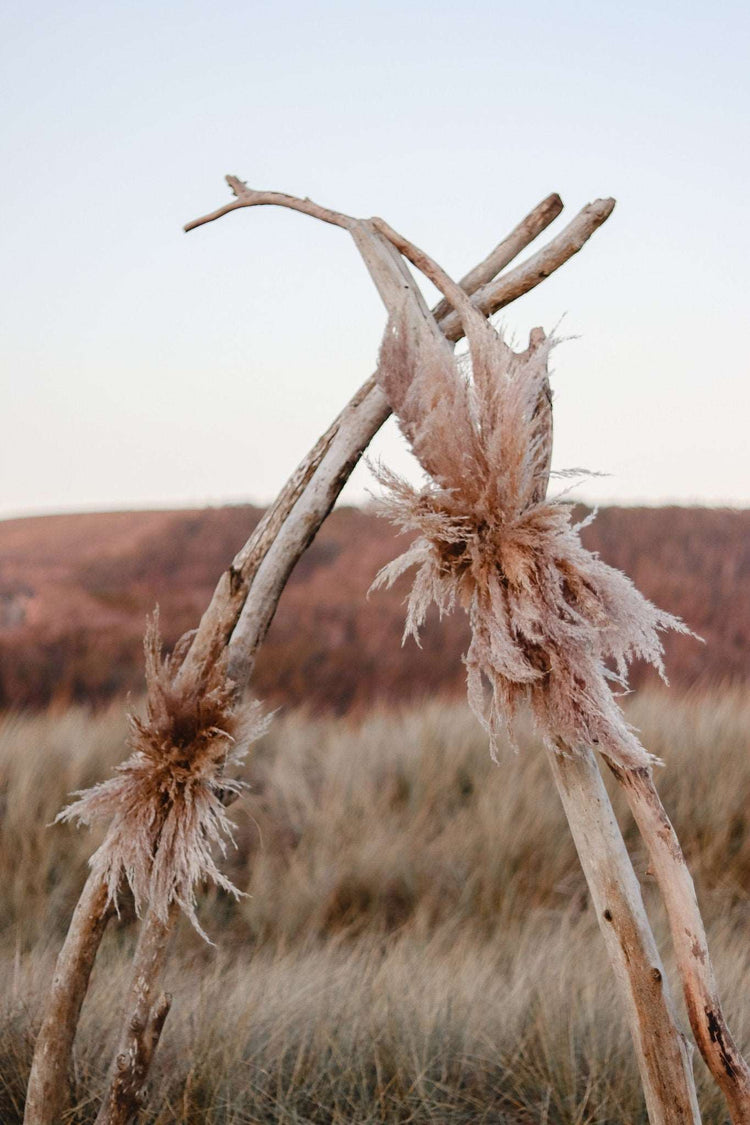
{"x": 75, "y": 591}
{"x": 416, "y": 944}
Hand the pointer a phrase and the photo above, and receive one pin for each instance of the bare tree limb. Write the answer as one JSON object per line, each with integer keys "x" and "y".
{"x": 48, "y": 1081}
{"x": 395, "y": 284}
{"x": 359, "y": 422}
{"x": 340, "y": 449}
{"x": 510, "y": 286}
{"x": 459, "y": 300}
{"x": 511, "y": 246}
{"x": 249, "y": 197}
{"x": 662, "y": 1050}
{"x": 223, "y": 611}
{"x": 714, "y": 1039}
{"x": 144, "y": 1022}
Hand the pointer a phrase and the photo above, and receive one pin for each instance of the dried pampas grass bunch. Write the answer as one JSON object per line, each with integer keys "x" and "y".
{"x": 166, "y": 807}
{"x": 552, "y": 625}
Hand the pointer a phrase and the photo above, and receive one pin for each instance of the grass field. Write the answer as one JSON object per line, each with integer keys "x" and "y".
{"x": 416, "y": 944}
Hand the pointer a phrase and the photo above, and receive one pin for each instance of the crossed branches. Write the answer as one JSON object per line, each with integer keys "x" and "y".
{"x": 233, "y": 628}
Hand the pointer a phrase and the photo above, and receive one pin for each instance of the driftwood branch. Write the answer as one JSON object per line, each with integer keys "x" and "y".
{"x": 127, "y": 1087}
{"x": 249, "y": 197}
{"x": 714, "y": 1039}
{"x": 48, "y": 1082}
{"x": 664, "y": 1056}
{"x": 509, "y": 248}
{"x": 143, "y": 1025}
{"x": 509, "y": 287}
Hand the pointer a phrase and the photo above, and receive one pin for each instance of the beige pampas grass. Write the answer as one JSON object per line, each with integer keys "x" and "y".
{"x": 552, "y": 625}
{"x": 166, "y": 806}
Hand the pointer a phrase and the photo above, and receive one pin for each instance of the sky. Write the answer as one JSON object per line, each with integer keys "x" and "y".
{"x": 145, "y": 367}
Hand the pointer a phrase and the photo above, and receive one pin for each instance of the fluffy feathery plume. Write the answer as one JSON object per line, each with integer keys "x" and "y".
{"x": 551, "y": 624}
{"x": 166, "y": 806}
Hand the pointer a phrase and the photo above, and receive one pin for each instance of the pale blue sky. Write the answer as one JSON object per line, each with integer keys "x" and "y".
{"x": 143, "y": 366}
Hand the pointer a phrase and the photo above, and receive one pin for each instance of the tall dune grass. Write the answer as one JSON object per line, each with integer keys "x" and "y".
{"x": 416, "y": 944}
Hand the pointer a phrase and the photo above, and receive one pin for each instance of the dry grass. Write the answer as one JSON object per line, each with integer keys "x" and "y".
{"x": 417, "y": 946}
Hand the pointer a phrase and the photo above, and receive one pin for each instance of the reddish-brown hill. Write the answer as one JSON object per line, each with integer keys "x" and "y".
{"x": 75, "y": 591}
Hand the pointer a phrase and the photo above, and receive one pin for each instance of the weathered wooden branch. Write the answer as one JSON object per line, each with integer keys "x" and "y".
{"x": 715, "y": 1041}
{"x": 504, "y": 253}
{"x": 144, "y": 1021}
{"x": 251, "y": 197}
{"x": 245, "y": 600}
{"x": 507, "y": 288}
{"x": 664, "y": 1056}
{"x": 48, "y": 1083}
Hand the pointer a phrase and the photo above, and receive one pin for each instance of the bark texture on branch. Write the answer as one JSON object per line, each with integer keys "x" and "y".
{"x": 667, "y": 861}
{"x": 144, "y": 1021}
{"x": 360, "y": 422}
{"x": 223, "y": 611}
{"x": 509, "y": 248}
{"x": 47, "y": 1090}
{"x": 509, "y": 287}
{"x": 662, "y": 1051}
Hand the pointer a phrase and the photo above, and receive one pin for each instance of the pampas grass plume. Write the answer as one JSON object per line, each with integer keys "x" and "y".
{"x": 551, "y": 624}
{"x": 166, "y": 805}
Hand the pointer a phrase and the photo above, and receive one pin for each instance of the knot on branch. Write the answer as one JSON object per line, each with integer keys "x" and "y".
{"x": 551, "y": 624}
{"x": 166, "y": 805}
{"x": 128, "y": 1092}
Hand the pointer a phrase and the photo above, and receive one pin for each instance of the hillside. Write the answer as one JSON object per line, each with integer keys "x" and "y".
{"x": 75, "y": 591}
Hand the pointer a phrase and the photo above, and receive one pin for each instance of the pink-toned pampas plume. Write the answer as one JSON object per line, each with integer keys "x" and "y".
{"x": 166, "y": 805}
{"x": 551, "y": 624}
